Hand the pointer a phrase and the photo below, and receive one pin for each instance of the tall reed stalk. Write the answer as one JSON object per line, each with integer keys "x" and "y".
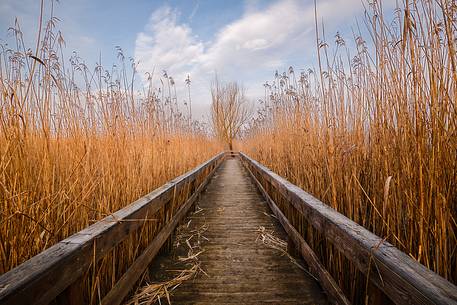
{"x": 77, "y": 144}
{"x": 374, "y": 134}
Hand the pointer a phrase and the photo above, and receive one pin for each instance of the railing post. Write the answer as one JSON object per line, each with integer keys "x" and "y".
{"x": 376, "y": 296}
{"x": 73, "y": 294}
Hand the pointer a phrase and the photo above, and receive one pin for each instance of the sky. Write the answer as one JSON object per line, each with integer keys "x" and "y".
{"x": 239, "y": 40}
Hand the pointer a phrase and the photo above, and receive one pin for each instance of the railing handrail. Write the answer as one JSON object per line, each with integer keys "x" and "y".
{"x": 401, "y": 278}
{"x": 43, "y": 277}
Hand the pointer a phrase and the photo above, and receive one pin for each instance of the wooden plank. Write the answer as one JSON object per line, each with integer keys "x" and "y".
{"x": 401, "y": 278}
{"x": 317, "y": 269}
{"x": 117, "y": 294}
{"x": 40, "y": 279}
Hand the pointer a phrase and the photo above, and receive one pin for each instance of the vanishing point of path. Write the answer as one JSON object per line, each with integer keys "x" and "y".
{"x": 240, "y": 269}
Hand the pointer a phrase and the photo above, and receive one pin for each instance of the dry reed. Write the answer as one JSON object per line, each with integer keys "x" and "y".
{"x": 374, "y": 134}
{"x": 77, "y": 144}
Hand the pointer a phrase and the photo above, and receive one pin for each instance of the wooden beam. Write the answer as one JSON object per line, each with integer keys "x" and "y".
{"x": 125, "y": 284}
{"x": 317, "y": 269}
{"x": 43, "y": 277}
{"x": 402, "y": 279}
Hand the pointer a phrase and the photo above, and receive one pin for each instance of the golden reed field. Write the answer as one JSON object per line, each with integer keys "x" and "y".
{"x": 78, "y": 144}
{"x": 372, "y": 133}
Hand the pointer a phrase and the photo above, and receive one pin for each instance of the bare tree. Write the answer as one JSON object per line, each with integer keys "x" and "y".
{"x": 229, "y": 110}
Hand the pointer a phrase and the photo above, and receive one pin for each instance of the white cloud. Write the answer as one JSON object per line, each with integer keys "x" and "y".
{"x": 167, "y": 45}
{"x": 86, "y": 40}
{"x": 248, "y": 49}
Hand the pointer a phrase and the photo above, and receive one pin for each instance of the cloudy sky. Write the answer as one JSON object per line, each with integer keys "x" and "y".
{"x": 239, "y": 40}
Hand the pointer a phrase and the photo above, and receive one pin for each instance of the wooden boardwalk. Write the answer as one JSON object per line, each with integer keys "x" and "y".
{"x": 221, "y": 238}
{"x": 240, "y": 270}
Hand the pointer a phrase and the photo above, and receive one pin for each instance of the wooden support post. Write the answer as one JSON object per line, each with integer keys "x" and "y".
{"x": 73, "y": 294}
{"x": 376, "y": 296}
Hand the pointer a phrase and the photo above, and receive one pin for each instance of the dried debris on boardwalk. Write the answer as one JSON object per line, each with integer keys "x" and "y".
{"x": 270, "y": 240}
{"x": 191, "y": 242}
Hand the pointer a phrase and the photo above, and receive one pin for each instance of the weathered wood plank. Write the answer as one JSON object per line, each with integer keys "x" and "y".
{"x": 317, "y": 269}
{"x": 403, "y": 279}
{"x": 43, "y": 277}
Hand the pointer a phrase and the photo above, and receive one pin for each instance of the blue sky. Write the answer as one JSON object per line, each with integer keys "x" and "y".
{"x": 239, "y": 40}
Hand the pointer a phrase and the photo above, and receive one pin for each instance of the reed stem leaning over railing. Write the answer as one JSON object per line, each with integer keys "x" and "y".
{"x": 63, "y": 268}
{"x": 402, "y": 279}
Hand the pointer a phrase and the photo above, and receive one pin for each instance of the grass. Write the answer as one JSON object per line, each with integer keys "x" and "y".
{"x": 373, "y": 134}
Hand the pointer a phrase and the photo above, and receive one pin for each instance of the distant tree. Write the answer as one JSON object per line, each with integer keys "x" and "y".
{"x": 229, "y": 111}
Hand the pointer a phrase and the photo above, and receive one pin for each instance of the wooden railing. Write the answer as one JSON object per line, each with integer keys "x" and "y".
{"x": 55, "y": 274}
{"x": 402, "y": 279}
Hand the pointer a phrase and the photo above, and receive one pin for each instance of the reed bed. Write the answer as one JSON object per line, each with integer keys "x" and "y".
{"x": 374, "y": 134}
{"x": 78, "y": 143}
